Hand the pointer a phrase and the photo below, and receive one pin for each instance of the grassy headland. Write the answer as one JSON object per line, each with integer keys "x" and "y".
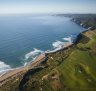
{"x": 70, "y": 69}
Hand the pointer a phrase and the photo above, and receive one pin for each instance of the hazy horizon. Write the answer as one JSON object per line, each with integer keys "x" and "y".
{"x": 47, "y": 6}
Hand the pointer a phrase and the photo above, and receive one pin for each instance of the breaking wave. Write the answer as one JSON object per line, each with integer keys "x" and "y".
{"x": 4, "y": 67}
{"x": 61, "y": 44}
{"x": 68, "y": 39}
{"x": 25, "y": 63}
{"x": 31, "y": 56}
{"x": 33, "y": 53}
{"x": 57, "y": 45}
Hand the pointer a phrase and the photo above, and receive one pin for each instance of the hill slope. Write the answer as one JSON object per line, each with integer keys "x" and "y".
{"x": 71, "y": 69}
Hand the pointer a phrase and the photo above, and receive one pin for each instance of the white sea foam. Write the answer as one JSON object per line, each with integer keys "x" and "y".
{"x": 33, "y": 53}
{"x": 69, "y": 39}
{"x": 26, "y": 63}
{"x": 58, "y": 44}
{"x": 4, "y": 67}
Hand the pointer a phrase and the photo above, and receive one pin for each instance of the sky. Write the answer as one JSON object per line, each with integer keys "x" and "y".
{"x": 47, "y": 6}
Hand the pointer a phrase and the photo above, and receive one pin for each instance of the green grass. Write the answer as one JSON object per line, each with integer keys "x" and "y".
{"x": 91, "y": 43}
{"x": 73, "y": 69}
{"x": 77, "y": 68}
{"x": 78, "y": 71}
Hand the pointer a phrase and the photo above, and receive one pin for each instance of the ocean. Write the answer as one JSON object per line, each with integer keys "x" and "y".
{"x": 23, "y": 38}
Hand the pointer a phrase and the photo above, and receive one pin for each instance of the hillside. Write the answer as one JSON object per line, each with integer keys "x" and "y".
{"x": 70, "y": 69}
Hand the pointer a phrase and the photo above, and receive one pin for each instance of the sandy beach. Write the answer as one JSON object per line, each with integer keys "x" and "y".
{"x": 18, "y": 71}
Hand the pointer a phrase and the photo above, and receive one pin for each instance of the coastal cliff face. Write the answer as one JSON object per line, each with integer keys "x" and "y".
{"x": 70, "y": 69}
{"x": 86, "y": 22}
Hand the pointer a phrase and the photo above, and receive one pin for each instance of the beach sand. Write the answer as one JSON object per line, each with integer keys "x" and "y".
{"x": 18, "y": 71}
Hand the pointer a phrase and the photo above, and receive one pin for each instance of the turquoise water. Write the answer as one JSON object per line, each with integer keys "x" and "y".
{"x": 22, "y": 38}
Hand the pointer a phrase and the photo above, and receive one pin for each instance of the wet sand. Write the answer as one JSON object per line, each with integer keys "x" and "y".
{"x": 16, "y": 72}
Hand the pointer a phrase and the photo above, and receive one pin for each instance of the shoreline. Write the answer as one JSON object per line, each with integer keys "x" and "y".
{"x": 62, "y": 46}
{"x": 32, "y": 64}
{"x": 16, "y": 72}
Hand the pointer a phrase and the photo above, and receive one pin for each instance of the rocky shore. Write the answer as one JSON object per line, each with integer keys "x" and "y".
{"x": 83, "y": 24}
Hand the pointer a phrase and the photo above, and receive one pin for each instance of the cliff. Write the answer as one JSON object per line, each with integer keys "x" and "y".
{"x": 70, "y": 69}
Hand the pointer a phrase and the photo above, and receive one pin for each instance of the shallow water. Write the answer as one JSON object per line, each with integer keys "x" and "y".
{"x": 22, "y": 38}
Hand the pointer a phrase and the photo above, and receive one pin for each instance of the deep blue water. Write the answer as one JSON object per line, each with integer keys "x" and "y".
{"x": 19, "y": 35}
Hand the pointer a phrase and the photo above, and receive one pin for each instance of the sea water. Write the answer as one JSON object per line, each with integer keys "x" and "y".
{"x": 23, "y": 38}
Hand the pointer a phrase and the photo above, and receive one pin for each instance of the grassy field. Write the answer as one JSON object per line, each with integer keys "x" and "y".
{"x": 71, "y": 69}
{"x": 78, "y": 71}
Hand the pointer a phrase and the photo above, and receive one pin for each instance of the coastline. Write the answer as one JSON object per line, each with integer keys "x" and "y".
{"x": 21, "y": 70}
{"x": 18, "y": 71}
